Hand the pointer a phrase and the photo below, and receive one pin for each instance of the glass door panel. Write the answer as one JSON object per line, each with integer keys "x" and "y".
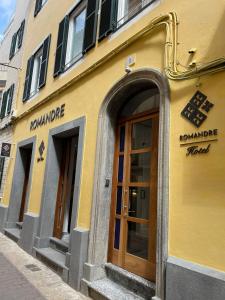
{"x": 137, "y": 239}
{"x": 140, "y": 167}
{"x": 139, "y": 201}
{"x": 133, "y": 216}
{"x": 141, "y": 134}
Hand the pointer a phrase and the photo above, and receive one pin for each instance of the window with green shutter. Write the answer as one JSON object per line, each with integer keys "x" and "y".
{"x": 20, "y": 34}
{"x": 44, "y": 62}
{"x": 17, "y": 40}
{"x": 76, "y": 35}
{"x": 28, "y": 78}
{"x": 108, "y": 9}
{"x": 4, "y": 104}
{"x": 10, "y": 99}
{"x": 90, "y": 25}
{"x": 36, "y": 72}
{"x": 7, "y": 102}
{"x": 115, "y": 13}
{"x": 60, "y": 56}
{"x": 13, "y": 46}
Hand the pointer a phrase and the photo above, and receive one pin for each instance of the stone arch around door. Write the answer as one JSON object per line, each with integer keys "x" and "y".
{"x": 99, "y": 232}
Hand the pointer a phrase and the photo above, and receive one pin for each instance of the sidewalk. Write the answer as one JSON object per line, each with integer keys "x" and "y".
{"x": 23, "y": 277}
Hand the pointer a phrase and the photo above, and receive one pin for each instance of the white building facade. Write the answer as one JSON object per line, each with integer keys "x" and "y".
{"x": 11, "y": 49}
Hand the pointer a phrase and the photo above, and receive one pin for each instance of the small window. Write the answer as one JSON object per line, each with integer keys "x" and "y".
{"x": 75, "y": 36}
{"x": 36, "y": 72}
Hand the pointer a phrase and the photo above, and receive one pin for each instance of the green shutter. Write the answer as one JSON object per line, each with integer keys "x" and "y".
{"x": 4, "y": 103}
{"x": 38, "y": 7}
{"x": 10, "y": 98}
{"x": 21, "y": 32}
{"x": 90, "y": 25}
{"x": 28, "y": 79}
{"x": 60, "y": 56}
{"x": 108, "y": 16}
{"x": 13, "y": 46}
{"x": 44, "y": 62}
{"x": 2, "y": 163}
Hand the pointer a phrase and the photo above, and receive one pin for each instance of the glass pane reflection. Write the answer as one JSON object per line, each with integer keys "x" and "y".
{"x": 139, "y": 202}
{"x": 141, "y": 134}
{"x": 140, "y": 167}
{"x": 137, "y": 241}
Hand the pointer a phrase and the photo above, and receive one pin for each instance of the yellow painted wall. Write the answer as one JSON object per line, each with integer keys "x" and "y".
{"x": 197, "y": 189}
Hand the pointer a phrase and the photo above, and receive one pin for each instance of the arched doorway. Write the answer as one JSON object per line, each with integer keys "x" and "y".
{"x": 133, "y": 220}
{"x": 101, "y": 237}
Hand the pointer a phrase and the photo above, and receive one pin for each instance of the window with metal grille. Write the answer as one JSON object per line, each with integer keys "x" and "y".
{"x": 126, "y": 9}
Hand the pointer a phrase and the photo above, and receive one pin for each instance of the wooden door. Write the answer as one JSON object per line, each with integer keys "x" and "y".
{"x": 62, "y": 188}
{"x": 27, "y": 155}
{"x": 132, "y": 243}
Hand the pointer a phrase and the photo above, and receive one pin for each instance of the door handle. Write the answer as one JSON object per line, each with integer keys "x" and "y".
{"x": 125, "y": 210}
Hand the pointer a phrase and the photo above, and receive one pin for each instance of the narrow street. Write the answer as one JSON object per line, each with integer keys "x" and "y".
{"x": 23, "y": 277}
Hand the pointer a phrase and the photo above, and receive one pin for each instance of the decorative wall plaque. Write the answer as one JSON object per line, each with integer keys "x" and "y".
{"x": 197, "y": 109}
{"x": 6, "y": 149}
{"x": 41, "y": 151}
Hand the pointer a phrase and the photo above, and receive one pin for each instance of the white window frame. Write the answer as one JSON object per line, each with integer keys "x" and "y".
{"x": 69, "y": 61}
{"x": 36, "y": 72}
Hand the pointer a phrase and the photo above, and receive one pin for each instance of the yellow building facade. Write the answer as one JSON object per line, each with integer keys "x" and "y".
{"x": 118, "y": 141}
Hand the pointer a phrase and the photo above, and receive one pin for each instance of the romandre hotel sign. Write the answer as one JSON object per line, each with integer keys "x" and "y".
{"x": 196, "y": 112}
{"x": 49, "y": 117}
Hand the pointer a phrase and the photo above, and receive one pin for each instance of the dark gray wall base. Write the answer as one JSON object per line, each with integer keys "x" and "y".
{"x": 78, "y": 248}
{"x": 41, "y": 242}
{"x": 10, "y": 224}
{"x": 68, "y": 257}
{"x": 29, "y": 231}
{"x": 93, "y": 272}
{"x": 3, "y": 216}
{"x": 186, "y": 280}
{"x": 84, "y": 287}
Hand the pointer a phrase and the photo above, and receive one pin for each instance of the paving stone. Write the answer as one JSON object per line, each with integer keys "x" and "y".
{"x": 19, "y": 282}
